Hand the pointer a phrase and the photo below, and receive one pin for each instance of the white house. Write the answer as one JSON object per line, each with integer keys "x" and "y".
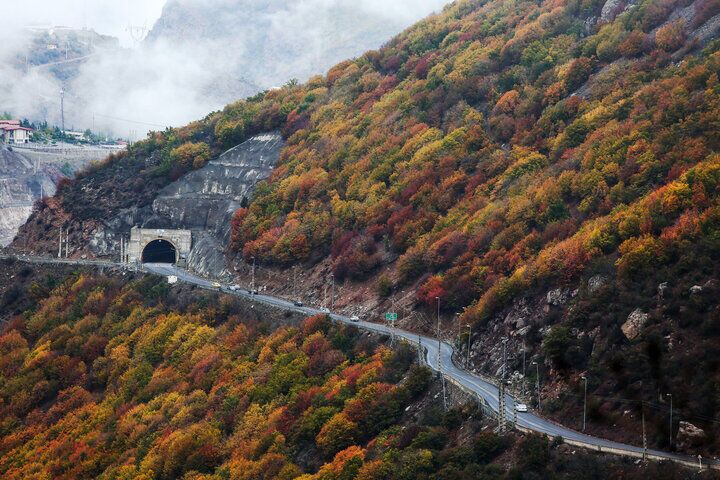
{"x": 12, "y": 132}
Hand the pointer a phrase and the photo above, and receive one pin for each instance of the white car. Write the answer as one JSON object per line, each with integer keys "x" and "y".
{"x": 354, "y": 319}
{"x": 325, "y": 310}
{"x": 521, "y": 407}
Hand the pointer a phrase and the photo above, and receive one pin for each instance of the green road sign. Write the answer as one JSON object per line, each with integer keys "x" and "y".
{"x": 391, "y": 317}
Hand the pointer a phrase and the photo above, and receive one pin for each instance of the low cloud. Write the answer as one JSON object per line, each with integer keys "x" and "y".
{"x": 198, "y": 63}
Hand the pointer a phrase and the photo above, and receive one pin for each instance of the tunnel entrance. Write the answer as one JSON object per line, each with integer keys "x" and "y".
{"x": 159, "y": 251}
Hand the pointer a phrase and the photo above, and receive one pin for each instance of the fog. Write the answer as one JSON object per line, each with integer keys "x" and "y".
{"x": 201, "y": 55}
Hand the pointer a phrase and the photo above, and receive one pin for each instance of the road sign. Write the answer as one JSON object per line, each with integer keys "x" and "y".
{"x": 391, "y": 317}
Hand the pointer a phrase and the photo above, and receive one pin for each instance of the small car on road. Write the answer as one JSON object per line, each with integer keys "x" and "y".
{"x": 216, "y": 285}
{"x": 355, "y": 319}
{"x": 298, "y": 303}
{"x": 521, "y": 407}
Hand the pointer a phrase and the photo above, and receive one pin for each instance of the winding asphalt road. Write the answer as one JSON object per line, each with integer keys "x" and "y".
{"x": 484, "y": 389}
{"x": 487, "y": 391}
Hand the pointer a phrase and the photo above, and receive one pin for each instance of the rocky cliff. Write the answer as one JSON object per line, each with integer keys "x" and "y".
{"x": 26, "y": 175}
{"x": 20, "y": 186}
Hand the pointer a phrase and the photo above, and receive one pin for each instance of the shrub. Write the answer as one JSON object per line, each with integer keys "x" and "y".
{"x": 384, "y": 286}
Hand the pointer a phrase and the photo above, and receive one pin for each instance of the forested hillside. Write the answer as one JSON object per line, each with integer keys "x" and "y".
{"x": 105, "y": 378}
{"x": 490, "y": 154}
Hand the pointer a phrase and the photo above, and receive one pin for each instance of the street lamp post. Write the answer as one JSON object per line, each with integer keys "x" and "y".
{"x": 671, "y": 417}
{"x": 438, "y": 332}
{"x": 537, "y": 383}
{"x": 332, "y": 295}
{"x": 467, "y": 360}
{"x": 459, "y": 333}
{"x": 252, "y": 283}
{"x": 585, "y": 403}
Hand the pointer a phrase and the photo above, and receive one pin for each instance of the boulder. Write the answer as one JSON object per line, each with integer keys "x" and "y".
{"x": 519, "y": 315}
{"x": 634, "y": 324}
{"x": 690, "y": 436}
{"x": 596, "y": 282}
{"x": 696, "y": 290}
{"x": 557, "y": 297}
{"x": 610, "y": 10}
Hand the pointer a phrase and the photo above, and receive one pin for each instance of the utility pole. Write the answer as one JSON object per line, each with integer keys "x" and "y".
{"x": 60, "y": 244}
{"x": 392, "y": 321}
{"x": 671, "y": 418}
{"x": 444, "y": 394}
{"x": 332, "y": 295}
{"x": 325, "y": 289}
{"x": 295, "y": 282}
{"x": 67, "y": 243}
{"x": 501, "y": 392}
{"x": 585, "y": 403}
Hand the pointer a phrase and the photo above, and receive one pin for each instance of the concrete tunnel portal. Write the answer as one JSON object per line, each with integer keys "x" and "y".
{"x": 158, "y": 246}
{"x": 160, "y": 251}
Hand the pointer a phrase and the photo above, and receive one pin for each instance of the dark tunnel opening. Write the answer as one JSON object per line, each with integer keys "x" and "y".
{"x": 159, "y": 251}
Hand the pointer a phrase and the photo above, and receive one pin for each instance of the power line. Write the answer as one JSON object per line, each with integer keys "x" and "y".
{"x": 655, "y": 406}
{"x": 131, "y": 121}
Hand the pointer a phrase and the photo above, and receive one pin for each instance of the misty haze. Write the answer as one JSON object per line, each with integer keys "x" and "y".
{"x": 197, "y": 57}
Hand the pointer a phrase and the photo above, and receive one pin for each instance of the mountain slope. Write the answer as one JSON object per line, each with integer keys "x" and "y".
{"x": 118, "y": 378}
{"x": 550, "y": 169}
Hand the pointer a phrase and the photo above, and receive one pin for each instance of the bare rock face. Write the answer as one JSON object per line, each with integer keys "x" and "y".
{"x": 611, "y": 9}
{"x": 20, "y": 187}
{"x": 596, "y": 283}
{"x": 519, "y": 315}
{"x": 690, "y": 436}
{"x": 634, "y": 324}
{"x": 557, "y": 297}
{"x": 28, "y": 172}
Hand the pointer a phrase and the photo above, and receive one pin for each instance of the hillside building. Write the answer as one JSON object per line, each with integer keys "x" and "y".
{"x": 12, "y": 132}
